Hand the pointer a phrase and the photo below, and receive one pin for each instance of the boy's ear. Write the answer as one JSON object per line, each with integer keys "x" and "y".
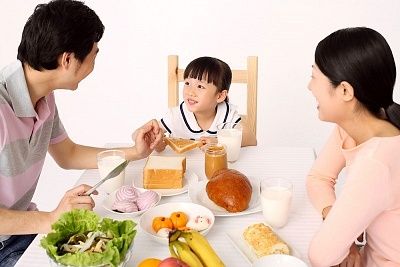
{"x": 222, "y": 96}
{"x": 346, "y": 91}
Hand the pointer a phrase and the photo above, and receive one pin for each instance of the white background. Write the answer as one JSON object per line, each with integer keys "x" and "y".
{"x": 129, "y": 83}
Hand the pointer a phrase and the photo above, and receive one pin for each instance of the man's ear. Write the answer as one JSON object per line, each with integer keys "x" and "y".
{"x": 222, "y": 96}
{"x": 65, "y": 60}
{"x": 346, "y": 91}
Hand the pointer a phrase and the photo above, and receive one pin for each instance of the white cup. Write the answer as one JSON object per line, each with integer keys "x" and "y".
{"x": 230, "y": 135}
{"x": 106, "y": 161}
{"x": 276, "y": 198}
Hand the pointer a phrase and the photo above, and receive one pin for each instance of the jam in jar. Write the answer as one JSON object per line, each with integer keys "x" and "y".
{"x": 215, "y": 159}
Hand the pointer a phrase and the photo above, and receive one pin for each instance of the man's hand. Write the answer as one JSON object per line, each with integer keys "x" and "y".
{"x": 160, "y": 147}
{"x": 74, "y": 199}
{"x": 147, "y": 138}
{"x": 353, "y": 259}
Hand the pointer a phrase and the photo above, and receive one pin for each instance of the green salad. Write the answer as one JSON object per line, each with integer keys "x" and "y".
{"x": 80, "y": 238}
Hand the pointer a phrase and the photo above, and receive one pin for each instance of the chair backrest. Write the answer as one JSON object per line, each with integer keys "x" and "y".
{"x": 248, "y": 76}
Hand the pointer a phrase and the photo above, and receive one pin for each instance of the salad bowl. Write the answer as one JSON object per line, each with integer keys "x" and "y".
{"x": 81, "y": 238}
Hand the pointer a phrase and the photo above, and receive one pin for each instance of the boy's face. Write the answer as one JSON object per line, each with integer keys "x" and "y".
{"x": 201, "y": 96}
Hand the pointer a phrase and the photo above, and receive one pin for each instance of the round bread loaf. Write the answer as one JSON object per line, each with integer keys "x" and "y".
{"x": 229, "y": 189}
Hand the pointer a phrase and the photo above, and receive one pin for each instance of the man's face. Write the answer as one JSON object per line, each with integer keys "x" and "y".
{"x": 86, "y": 67}
{"x": 77, "y": 71}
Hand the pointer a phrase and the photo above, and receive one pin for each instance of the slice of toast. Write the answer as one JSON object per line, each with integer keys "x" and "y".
{"x": 180, "y": 145}
{"x": 164, "y": 172}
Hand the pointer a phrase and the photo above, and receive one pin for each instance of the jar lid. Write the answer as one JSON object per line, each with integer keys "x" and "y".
{"x": 215, "y": 149}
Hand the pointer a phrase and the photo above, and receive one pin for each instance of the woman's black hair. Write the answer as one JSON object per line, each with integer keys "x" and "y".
{"x": 362, "y": 57}
{"x": 211, "y": 69}
{"x": 57, "y": 27}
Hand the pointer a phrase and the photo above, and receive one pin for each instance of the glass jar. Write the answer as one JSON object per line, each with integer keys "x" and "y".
{"x": 215, "y": 159}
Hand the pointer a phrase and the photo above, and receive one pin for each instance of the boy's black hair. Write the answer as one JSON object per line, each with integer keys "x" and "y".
{"x": 211, "y": 69}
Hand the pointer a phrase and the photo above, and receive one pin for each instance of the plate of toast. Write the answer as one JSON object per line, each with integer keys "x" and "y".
{"x": 167, "y": 175}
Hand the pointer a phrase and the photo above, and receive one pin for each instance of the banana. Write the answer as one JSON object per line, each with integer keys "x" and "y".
{"x": 174, "y": 235}
{"x": 202, "y": 249}
{"x": 182, "y": 251}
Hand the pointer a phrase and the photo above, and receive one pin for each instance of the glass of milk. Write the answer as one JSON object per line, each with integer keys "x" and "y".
{"x": 106, "y": 161}
{"x": 276, "y": 198}
{"x": 230, "y": 135}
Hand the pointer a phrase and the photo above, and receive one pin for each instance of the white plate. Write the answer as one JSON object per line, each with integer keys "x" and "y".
{"x": 279, "y": 261}
{"x": 189, "y": 177}
{"x": 236, "y": 237}
{"x": 198, "y": 195}
{"x": 165, "y": 210}
{"x": 110, "y": 199}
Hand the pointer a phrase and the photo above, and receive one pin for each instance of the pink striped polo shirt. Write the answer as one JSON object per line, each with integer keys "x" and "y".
{"x": 25, "y": 135}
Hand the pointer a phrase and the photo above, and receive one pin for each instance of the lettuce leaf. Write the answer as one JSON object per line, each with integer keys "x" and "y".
{"x": 82, "y": 221}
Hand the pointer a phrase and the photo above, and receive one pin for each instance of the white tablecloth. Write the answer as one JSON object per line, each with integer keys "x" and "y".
{"x": 261, "y": 162}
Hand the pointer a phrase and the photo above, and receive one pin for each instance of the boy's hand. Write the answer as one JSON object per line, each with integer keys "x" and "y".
{"x": 207, "y": 140}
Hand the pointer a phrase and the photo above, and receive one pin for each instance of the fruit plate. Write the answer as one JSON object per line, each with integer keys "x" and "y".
{"x": 189, "y": 178}
{"x": 198, "y": 195}
{"x": 237, "y": 240}
{"x": 190, "y": 209}
{"x": 110, "y": 199}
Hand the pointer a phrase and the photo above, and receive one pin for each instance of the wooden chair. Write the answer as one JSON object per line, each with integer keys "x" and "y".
{"x": 247, "y": 76}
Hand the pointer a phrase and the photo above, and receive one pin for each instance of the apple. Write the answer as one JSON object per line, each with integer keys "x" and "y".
{"x": 172, "y": 262}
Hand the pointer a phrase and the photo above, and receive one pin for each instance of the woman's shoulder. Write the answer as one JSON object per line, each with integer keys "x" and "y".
{"x": 381, "y": 152}
{"x": 386, "y": 149}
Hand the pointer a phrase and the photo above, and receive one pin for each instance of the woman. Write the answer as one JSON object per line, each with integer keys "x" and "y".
{"x": 352, "y": 80}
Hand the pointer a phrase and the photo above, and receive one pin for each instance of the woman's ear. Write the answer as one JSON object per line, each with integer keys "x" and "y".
{"x": 346, "y": 91}
{"x": 222, "y": 96}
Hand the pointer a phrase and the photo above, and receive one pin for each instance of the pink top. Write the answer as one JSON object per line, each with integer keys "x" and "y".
{"x": 25, "y": 135}
{"x": 369, "y": 200}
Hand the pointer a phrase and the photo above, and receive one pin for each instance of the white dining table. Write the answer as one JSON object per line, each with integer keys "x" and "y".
{"x": 260, "y": 162}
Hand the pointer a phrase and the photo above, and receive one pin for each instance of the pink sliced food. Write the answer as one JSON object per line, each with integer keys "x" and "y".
{"x": 125, "y": 206}
{"x": 146, "y": 200}
{"x": 128, "y": 193}
{"x": 199, "y": 223}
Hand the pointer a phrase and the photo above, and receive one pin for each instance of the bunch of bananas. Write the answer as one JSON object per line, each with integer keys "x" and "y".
{"x": 195, "y": 251}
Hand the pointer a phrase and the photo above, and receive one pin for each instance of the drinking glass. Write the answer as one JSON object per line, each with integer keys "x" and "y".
{"x": 230, "y": 135}
{"x": 276, "y": 198}
{"x": 106, "y": 161}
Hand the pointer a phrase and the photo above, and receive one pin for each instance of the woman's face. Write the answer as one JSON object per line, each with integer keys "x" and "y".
{"x": 328, "y": 99}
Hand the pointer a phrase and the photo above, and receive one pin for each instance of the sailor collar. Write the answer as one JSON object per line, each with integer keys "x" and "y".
{"x": 191, "y": 122}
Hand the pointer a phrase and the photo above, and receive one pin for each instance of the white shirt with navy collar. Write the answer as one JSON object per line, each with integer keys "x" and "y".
{"x": 180, "y": 122}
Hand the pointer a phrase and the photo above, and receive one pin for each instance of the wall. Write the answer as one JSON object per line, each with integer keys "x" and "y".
{"x": 129, "y": 84}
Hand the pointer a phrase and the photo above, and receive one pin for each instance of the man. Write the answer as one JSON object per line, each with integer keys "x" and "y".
{"x": 58, "y": 50}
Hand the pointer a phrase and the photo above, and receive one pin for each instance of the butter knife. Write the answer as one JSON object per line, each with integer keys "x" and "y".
{"x": 117, "y": 170}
